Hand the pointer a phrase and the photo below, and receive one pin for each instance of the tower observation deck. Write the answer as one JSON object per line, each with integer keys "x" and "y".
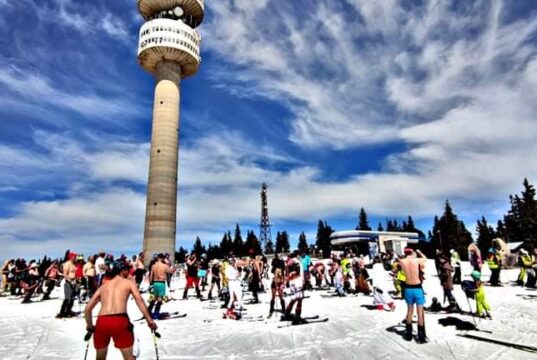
{"x": 168, "y": 48}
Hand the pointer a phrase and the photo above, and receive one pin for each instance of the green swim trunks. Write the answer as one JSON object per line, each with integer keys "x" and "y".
{"x": 159, "y": 288}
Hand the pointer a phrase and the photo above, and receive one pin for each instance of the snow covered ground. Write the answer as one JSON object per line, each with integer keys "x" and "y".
{"x": 353, "y": 331}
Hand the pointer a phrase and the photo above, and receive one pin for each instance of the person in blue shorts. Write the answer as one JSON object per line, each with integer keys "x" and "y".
{"x": 413, "y": 266}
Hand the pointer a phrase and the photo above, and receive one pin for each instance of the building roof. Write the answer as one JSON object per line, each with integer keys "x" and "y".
{"x": 514, "y": 246}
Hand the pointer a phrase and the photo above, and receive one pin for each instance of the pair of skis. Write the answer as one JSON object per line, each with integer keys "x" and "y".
{"x": 167, "y": 316}
{"x": 304, "y": 321}
{"x": 527, "y": 348}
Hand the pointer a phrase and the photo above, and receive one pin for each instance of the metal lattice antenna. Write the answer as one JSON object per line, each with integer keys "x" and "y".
{"x": 264, "y": 226}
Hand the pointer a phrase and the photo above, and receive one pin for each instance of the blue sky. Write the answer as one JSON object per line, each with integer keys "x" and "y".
{"x": 394, "y": 106}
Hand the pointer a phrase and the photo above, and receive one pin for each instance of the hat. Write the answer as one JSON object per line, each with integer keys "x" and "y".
{"x": 122, "y": 265}
{"x": 476, "y": 275}
{"x": 71, "y": 256}
{"x": 408, "y": 251}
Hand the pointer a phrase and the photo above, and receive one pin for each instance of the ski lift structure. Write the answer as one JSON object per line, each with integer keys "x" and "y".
{"x": 394, "y": 241}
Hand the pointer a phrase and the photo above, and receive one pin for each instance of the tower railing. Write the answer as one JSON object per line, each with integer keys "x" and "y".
{"x": 170, "y": 33}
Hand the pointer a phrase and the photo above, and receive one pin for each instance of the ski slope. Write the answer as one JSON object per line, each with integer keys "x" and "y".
{"x": 353, "y": 331}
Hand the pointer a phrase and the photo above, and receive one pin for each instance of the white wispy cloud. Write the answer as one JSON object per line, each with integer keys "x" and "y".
{"x": 90, "y": 22}
{"x": 455, "y": 86}
{"x": 342, "y": 91}
{"x": 37, "y": 90}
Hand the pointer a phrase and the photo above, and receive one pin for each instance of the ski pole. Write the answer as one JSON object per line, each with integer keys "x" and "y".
{"x": 155, "y": 336}
{"x": 473, "y": 316}
{"x": 87, "y": 338}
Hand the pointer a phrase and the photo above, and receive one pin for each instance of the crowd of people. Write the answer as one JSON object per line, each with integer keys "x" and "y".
{"x": 101, "y": 277}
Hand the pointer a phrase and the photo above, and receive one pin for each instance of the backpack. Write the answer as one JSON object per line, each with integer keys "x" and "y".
{"x": 468, "y": 287}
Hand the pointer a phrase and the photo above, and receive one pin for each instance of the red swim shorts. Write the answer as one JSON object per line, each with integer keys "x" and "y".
{"x": 192, "y": 281}
{"x": 117, "y": 327}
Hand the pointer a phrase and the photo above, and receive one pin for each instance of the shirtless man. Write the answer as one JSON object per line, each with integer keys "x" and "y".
{"x": 69, "y": 287}
{"x": 158, "y": 277}
{"x": 192, "y": 279}
{"x": 113, "y": 321}
{"x": 413, "y": 266}
{"x": 89, "y": 275}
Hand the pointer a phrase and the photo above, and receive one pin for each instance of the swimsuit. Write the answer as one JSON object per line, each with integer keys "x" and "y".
{"x": 115, "y": 326}
{"x": 159, "y": 288}
{"x": 414, "y": 295}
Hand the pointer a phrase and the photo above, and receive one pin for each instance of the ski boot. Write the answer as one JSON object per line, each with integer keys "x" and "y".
{"x": 298, "y": 320}
{"x": 408, "y": 332}
{"x": 422, "y": 338}
{"x": 230, "y": 314}
{"x": 155, "y": 315}
{"x": 287, "y": 317}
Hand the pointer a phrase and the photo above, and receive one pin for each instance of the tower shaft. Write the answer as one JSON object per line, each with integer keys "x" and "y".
{"x": 168, "y": 48}
{"x": 160, "y": 218}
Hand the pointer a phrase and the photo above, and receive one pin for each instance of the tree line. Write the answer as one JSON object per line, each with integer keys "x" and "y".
{"x": 448, "y": 232}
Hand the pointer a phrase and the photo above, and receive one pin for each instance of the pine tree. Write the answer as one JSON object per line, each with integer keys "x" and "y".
{"x": 269, "y": 247}
{"x": 450, "y": 233}
{"x": 363, "y": 223}
{"x": 238, "y": 244}
{"x": 380, "y": 228}
{"x": 198, "y": 248}
{"x": 214, "y": 252}
{"x": 521, "y": 220}
{"x": 409, "y": 226}
{"x": 485, "y": 235}
{"x": 226, "y": 245}
{"x": 500, "y": 231}
{"x": 252, "y": 245}
{"x": 323, "y": 238}
{"x": 302, "y": 243}
{"x": 285, "y": 242}
{"x": 392, "y": 225}
{"x": 181, "y": 254}
{"x": 279, "y": 246}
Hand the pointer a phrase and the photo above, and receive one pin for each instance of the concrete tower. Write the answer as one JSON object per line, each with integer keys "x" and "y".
{"x": 169, "y": 48}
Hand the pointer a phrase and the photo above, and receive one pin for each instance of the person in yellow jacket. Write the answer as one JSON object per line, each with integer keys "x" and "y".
{"x": 346, "y": 271}
{"x": 531, "y": 278}
{"x": 480, "y": 298}
{"x": 525, "y": 262}
{"x": 494, "y": 264}
{"x": 224, "y": 293}
{"x": 399, "y": 279}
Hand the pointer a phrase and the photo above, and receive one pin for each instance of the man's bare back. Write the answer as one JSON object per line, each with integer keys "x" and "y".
{"x": 160, "y": 270}
{"x": 113, "y": 297}
{"x": 412, "y": 267}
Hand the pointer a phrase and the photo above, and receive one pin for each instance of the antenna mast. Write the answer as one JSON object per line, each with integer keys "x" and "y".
{"x": 264, "y": 226}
